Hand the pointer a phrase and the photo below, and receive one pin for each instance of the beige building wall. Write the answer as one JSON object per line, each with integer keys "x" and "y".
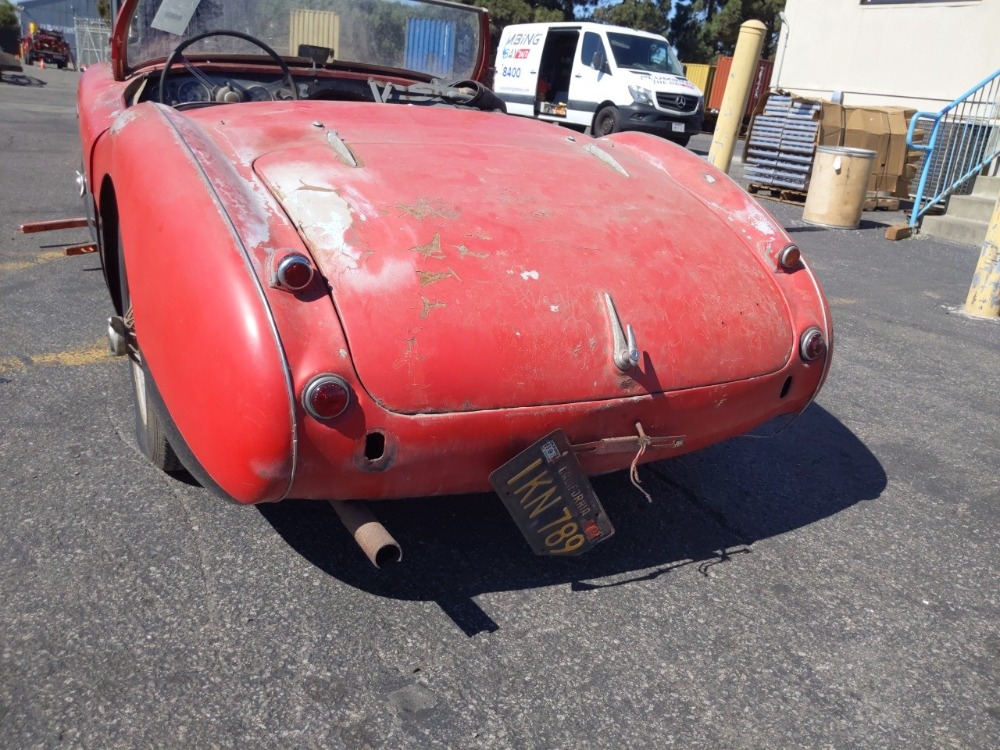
{"x": 921, "y": 55}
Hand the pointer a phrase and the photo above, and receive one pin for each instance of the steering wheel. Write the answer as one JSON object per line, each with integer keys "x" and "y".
{"x": 231, "y": 89}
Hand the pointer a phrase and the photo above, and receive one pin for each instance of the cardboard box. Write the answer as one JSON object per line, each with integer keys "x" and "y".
{"x": 831, "y": 128}
{"x": 878, "y": 129}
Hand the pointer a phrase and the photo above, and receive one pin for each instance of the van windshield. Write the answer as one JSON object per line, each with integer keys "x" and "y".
{"x": 644, "y": 53}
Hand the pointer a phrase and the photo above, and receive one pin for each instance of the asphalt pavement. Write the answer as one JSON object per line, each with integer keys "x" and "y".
{"x": 835, "y": 586}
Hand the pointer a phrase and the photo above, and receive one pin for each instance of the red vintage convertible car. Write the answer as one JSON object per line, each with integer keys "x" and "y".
{"x": 340, "y": 271}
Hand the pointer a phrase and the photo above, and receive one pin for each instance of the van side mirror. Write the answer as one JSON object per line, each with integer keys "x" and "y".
{"x": 597, "y": 62}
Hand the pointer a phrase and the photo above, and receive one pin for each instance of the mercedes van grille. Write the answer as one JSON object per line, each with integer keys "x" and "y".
{"x": 677, "y": 102}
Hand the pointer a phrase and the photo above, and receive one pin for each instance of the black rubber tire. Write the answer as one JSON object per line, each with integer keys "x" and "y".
{"x": 680, "y": 140}
{"x": 149, "y": 433}
{"x": 607, "y": 121}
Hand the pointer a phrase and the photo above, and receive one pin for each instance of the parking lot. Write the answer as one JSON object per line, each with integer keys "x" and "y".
{"x": 833, "y": 586}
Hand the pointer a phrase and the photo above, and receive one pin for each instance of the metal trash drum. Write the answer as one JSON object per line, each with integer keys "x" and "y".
{"x": 838, "y": 187}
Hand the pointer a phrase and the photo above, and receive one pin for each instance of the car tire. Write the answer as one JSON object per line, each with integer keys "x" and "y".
{"x": 681, "y": 140}
{"x": 149, "y": 433}
{"x": 607, "y": 121}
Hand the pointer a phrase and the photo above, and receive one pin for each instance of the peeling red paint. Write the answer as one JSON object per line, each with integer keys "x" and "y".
{"x": 463, "y": 259}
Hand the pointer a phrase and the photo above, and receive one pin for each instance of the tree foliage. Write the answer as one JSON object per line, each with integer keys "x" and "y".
{"x": 8, "y": 15}
{"x": 507, "y": 12}
{"x": 687, "y": 34}
{"x": 645, "y": 15}
{"x": 704, "y": 29}
{"x": 701, "y": 30}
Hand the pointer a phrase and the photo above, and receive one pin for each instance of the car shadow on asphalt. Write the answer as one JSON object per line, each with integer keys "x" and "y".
{"x": 19, "y": 79}
{"x": 708, "y": 509}
{"x": 864, "y": 224}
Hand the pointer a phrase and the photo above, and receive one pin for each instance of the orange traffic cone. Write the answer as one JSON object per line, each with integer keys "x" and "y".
{"x": 41, "y": 64}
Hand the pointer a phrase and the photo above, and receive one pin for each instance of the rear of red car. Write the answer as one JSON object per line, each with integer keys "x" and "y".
{"x": 45, "y": 45}
{"x": 471, "y": 282}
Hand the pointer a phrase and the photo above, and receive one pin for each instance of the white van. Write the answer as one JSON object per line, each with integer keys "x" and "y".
{"x": 606, "y": 77}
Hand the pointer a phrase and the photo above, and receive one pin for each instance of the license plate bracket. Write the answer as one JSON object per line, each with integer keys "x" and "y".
{"x": 551, "y": 500}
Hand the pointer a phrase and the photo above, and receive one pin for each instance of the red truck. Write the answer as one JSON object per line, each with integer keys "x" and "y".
{"x": 46, "y": 45}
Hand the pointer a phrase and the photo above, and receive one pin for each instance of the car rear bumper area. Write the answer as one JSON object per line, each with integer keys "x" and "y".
{"x": 386, "y": 455}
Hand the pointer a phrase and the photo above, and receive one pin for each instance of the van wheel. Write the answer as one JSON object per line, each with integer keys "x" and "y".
{"x": 607, "y": 121}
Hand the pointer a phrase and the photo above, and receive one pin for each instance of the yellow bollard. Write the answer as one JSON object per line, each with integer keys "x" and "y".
{"x": 734, "y": 101}
{"x": 984, "y": 293}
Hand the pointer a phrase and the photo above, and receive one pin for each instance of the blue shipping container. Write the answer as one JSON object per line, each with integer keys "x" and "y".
{"x": 430, "y": 46}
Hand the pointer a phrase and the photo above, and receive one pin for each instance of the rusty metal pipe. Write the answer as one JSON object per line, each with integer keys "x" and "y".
{"x": 377, "y": 543}
{"x": 52, "y": 226}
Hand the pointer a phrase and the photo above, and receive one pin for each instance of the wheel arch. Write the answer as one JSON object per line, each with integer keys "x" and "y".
{"x": 108, "y": 213}
{"x": 600, "y": 107}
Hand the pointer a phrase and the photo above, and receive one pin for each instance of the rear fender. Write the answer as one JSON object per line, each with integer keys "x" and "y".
{"x": 201, "y": 319}
{"x": 755, "y": 228}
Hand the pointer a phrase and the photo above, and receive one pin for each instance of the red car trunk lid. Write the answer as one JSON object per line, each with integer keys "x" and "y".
{"x": 470, "y": 269}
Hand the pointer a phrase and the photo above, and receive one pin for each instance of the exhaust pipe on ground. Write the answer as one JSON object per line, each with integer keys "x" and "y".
{"x": 377, "y": 543}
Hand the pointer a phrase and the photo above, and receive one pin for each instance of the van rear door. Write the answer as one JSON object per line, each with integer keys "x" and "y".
{"x": 519, "y": 56}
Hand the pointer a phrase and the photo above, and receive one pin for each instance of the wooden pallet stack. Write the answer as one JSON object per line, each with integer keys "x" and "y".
{"x": 780, "y": 146}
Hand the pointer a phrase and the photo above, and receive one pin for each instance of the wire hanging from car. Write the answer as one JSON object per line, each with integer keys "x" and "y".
{"x": 633, "y": 474}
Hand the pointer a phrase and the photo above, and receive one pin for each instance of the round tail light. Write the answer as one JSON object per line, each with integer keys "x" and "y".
{"x": 812, "y": 345}
{"x": 326, "y": 397}
{"x": 789, "y": 257}
{"x": 294, "y": 272}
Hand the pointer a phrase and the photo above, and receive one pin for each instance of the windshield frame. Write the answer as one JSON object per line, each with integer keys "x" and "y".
{"x": 121, "y": 69}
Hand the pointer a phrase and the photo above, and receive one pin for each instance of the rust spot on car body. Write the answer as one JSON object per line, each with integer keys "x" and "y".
{"x": 425, "y": 209}
{"x": 432, "y": 277}
{"x": 428, "y": 306}
{"x": 317, "y": 188}
{"x": 463, "y": 251}
{"x": 431, "y": 249}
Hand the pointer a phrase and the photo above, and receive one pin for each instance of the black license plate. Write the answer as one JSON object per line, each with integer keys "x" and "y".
{"x": 551, "y": 499}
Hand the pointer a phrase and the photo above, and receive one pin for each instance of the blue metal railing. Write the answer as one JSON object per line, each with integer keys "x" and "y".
{"x": 960, "y": 141}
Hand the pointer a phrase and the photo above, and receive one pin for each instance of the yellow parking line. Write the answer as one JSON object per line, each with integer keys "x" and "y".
{"x": 84, "y": 355}
{"x": 20, "y": 265}
{"x": 10, "y": 364}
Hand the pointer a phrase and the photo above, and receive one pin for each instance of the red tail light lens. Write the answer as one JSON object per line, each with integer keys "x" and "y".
{"x": 293, "y": 272}
{"x": 812, "y": 345}
{"x": 326, "y": 397}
